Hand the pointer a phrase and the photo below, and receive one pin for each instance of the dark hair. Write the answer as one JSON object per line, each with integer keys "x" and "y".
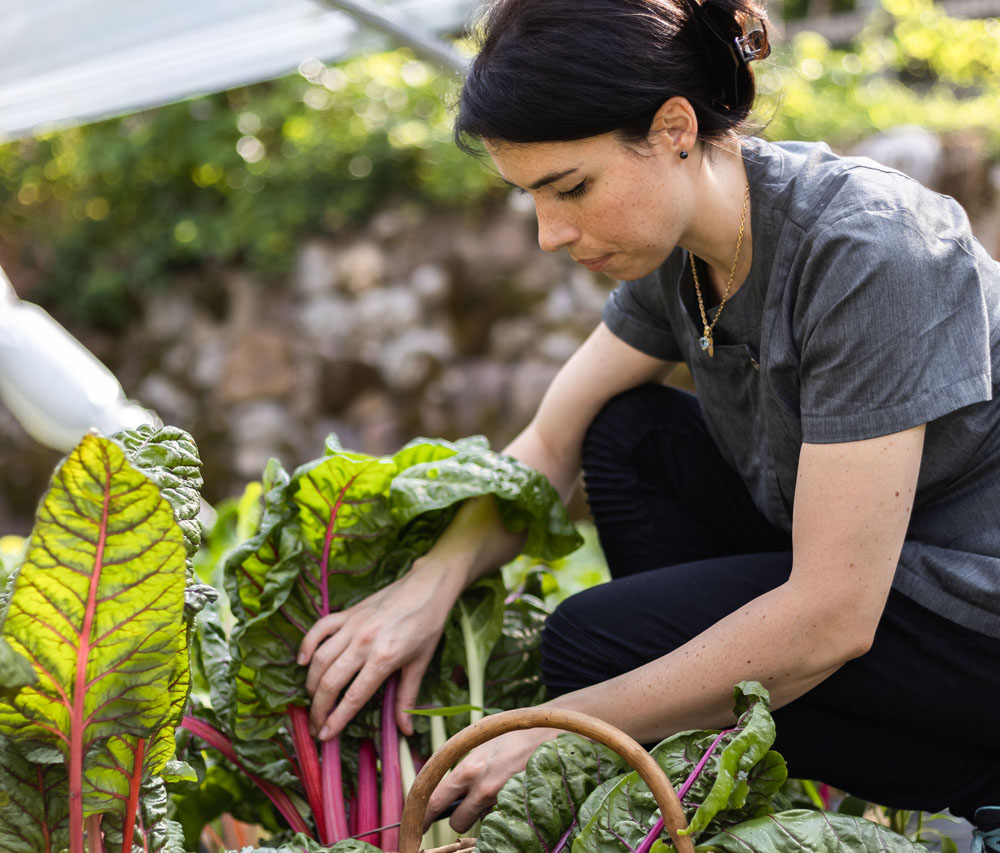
{"x": 556, "y": 70}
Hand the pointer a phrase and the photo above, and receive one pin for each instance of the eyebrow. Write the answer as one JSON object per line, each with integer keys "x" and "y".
{"x": 547, "y": 179}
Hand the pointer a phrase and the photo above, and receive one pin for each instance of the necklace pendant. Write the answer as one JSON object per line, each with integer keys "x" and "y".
{"x": 706, "y": 343}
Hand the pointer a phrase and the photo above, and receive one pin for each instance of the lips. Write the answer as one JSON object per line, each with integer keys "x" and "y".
{"x": 594, "y": 264}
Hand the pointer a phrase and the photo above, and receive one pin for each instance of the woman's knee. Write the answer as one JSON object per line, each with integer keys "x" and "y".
{"x": 572, "y": 654}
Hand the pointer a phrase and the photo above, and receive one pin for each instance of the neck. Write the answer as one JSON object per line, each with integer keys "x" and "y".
{"x": 714, "y": 229}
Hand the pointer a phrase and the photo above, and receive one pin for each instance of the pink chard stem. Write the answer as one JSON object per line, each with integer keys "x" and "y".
{"x": 135, "y": 783}
{"x": 334, "y": 812}
{"x": 333, "y": 809}
{"x": 654, "y": 833}
{"x": 392, "y": 780}
{"x": 367, "y": 799}
{"x": 309, "y": 768}
{"x": 214, "y": 738}
{"x": 76, "y": 712}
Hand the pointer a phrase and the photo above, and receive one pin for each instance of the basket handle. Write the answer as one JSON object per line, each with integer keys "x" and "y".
{"x": 411, "y": 828}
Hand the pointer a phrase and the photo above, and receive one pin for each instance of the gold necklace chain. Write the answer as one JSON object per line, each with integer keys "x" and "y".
{"x": 706, "y": 341}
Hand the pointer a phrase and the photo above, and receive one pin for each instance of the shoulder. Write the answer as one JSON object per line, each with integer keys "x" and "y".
{"x": 826, "y": 196}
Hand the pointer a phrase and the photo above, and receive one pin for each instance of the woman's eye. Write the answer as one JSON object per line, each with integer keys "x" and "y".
{"x": 576, "y": 192}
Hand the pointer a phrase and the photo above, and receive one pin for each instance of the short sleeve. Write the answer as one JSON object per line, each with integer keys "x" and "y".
{"x": 892, "y": 324}
{"x": 638, "y": 313}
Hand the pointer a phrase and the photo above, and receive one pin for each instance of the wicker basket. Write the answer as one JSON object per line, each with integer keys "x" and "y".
{"x": 411, "y": 829}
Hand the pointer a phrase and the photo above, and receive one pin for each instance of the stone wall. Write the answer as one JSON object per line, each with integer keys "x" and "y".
{"x": 441, "y": 325}
{"x": 438, "y": 325}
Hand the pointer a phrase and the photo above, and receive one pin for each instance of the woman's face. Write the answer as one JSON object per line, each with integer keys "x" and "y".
{"x": 616, "y": 210}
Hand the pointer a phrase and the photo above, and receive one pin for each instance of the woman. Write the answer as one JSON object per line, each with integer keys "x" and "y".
{"x": 822, "y": 518}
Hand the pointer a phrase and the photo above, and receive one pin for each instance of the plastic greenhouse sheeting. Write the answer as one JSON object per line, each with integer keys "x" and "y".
{"x": 71, "y": 61}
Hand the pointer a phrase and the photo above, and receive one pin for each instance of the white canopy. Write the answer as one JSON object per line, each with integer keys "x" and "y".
{"x": 71, "y": 61}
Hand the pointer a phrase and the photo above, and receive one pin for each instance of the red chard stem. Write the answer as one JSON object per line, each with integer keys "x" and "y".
{"x": 282, "y": 802}
{"x": 368, "y": 814}
{"x": 309, "y": 769}
{"x": 335, "y": 814}
{"x": 392, "y": 781}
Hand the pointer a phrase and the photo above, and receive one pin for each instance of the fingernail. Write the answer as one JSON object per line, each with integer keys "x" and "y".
{"x": 325, "y": 733}
{"x": 302, "y": 658}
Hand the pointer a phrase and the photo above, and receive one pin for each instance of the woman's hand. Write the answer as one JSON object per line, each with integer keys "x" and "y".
{"x": 478, "y": 777}
{"x": 354, "y": 651}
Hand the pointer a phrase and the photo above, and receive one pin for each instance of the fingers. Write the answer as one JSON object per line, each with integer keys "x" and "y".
{"x": 409, "y": 687}
{"x": 462, "y": 784}
{"x": 323, "y": 628}
{"x": 361, "y": 689}
{"x": 323, "y": 659}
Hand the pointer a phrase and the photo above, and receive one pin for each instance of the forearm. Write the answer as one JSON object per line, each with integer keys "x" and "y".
{"x": 773, "y": 639}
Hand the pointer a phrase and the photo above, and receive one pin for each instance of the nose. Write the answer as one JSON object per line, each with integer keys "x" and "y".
{"x": 554, "y": 231}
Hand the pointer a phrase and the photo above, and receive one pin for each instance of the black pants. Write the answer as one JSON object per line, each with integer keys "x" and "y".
{"x": 914, "y": 723}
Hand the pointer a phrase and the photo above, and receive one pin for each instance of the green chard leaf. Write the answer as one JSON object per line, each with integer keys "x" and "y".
{"x": 15, "y": 669}
{"x": 538, "y": 810}
{"x": 330, "y": 534}
{"x": 34, "y": 803}
{"x": 527, "y": 500}
{"x": 752, "y": 738}
{"x": 96, "y": 610}
{"x": 722, "y": 778}
{"x": 473, "y": 629}
{"x": 169, "y": 457}
{"x": 804, "y": 831}
{"x": 513, "y": 671}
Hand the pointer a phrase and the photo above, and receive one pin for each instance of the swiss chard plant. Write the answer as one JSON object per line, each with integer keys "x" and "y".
{"x": 331, "y": 533}
{"x": 577, "y": 796}
{"x": 95, "y": 650}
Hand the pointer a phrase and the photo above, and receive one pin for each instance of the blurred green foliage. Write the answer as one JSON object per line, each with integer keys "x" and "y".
{"x": 912, "y": 64}
{"x": 104, "y": 211}
{"x": 96, "y": 215}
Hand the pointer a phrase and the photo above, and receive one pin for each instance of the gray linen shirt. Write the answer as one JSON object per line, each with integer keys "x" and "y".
{"x": 869, "y": 308}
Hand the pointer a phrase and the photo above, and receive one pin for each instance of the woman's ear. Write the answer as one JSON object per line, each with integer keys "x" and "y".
{"x": 675, "y": 126}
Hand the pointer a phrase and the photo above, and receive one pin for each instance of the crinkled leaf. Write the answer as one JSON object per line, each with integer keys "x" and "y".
{"x": 169, "y": 457}
{"x": 210, "y": 664}
{"x": 96, "y": 609}
{"x": 15, "y": 669}
{"x": 12, "y": 549}
{"x": 726, "y": 777}
{"x": 537, "y": 810}
{"x": 754, "y": 735}
{"x": 527, "y": 500}
{"x": 513, "y": 672}
{"x": 33, "y": 803}
{"x": 622, "y": 820}
{"x": 260, "y": 574}
{"x": 805, "y": 831}
{"x": 152, "y": 832}
{"x": 681, "y": 754}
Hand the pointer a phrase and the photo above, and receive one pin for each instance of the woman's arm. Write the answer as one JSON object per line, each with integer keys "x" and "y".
{"x": 852, "y": 508}
{"x": 352, "y": 652}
